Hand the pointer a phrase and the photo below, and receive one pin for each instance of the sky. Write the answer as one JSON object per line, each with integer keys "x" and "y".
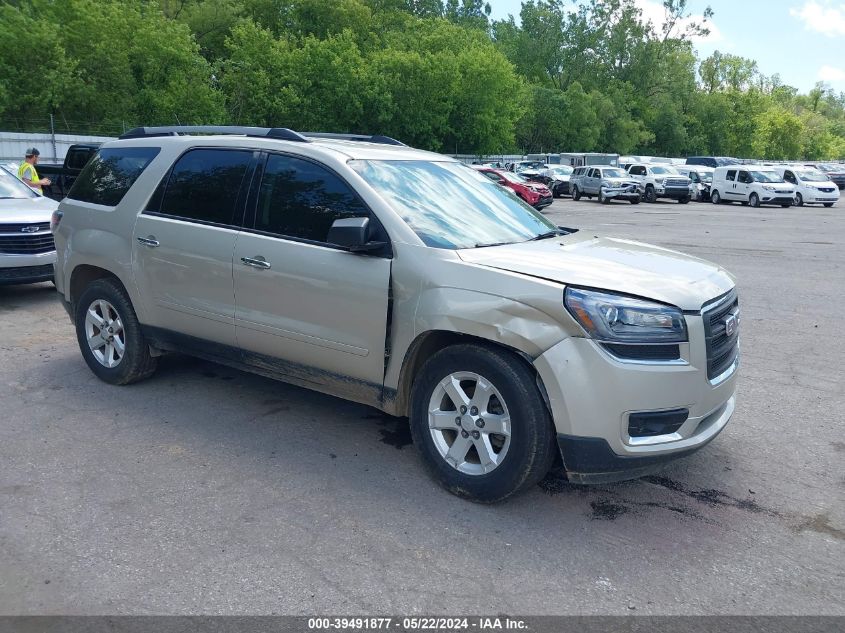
{"x": 801, "y": 40}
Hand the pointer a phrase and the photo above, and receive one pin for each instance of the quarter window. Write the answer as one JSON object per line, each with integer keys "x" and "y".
{"x": 204, "y": 185}
{"x": 110, "y": 174}
{"x": 301, "y": 199}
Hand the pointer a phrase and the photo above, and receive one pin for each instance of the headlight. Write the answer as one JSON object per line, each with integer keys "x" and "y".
{"x": 661, "y": 179}
{"x": 613, "y": 318}
{"x": 768, "y": 188}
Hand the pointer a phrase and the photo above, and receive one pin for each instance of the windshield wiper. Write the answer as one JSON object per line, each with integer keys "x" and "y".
{"x": 492, "y": 244}
{"x": 554, "y": 233}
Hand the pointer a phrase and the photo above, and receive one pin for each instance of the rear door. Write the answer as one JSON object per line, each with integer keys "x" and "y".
{"x": 304, "y": 307}
{"x": 183, "y": 244}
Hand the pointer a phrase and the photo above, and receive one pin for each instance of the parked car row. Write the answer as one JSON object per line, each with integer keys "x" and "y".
{"x": 755, "y": 185}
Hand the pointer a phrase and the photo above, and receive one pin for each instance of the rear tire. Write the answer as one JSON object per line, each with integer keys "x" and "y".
{"x": 635, "y": 200}
{"x": 109, "y": 334}
{"x": 683, "y": 200}
{"x": 576, "y": 194}
{"x": 715, "y": 198}
{"x": 828, "y": 204}
{"x": 510, "y": 401}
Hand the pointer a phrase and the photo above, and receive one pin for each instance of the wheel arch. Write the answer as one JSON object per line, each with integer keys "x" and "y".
{"x": 426, "y": 345}
{"x": 82, "y": 276}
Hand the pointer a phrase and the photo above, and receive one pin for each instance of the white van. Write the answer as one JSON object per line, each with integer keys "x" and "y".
{"x": 752, "y": 185}
{"x": 812, "y": 186}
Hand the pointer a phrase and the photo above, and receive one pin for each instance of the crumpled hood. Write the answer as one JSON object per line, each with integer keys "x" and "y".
{"x": 618, "y": 182}
{"x": 612, "y": 264}
{"x": 23, "y": 210}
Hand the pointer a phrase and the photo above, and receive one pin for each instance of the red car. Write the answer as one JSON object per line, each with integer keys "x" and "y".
{"x": 536, "y": 194}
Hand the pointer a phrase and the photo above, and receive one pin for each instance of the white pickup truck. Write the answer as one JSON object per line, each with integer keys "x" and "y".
{"x": 661, "y": 181}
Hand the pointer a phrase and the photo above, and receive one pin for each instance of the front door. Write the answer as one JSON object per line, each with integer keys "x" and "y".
{"x": 183, "y": 243}
{"x": 306, "y": 308}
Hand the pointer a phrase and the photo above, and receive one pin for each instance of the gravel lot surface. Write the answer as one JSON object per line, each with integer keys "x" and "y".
{"x": 208, "y": 490}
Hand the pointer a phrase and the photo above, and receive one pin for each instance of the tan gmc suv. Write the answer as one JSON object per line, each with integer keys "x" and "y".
{"x": 404, "y": 280}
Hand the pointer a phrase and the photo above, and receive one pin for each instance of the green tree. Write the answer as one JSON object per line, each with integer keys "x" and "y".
{"x": 778, "y": 134}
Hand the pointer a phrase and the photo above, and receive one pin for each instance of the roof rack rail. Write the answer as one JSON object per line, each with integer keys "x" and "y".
{"x": 363, "y": 138}
{"x": 281, "y": 133}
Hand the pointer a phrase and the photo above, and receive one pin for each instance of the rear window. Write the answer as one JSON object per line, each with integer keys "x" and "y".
{"x": 110, "y": 174}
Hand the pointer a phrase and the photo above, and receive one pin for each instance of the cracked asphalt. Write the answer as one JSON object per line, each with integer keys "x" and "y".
{"x": 207, "y": 490}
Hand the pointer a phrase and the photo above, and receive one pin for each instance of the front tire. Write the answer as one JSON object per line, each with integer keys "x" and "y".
{"x": 109, "y": 334}
{"x": 799, "y": 200}
{"x": 650, "y": 195}
{"x": 576, "y": 194}
{"x": 635, "y": 200}
{"x": 828, "y": 204}
{"x": 603, "y": 199}
{"x": 683, "y": 200}
{"x": 480, "y": 423}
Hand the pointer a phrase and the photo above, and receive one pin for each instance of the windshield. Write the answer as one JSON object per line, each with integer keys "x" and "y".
{"x": 509, "y": 175}
{"x": 705, "y": 175}
{"x": 613, "y": 173}
{"x": 663, "y": 170}
{"x": 563, "y": 171}
{"x": 811, "y": 175}
{"x": 11, "y": 187}
{"x": 765, "y": 176}
{"x": 450, "y": 205}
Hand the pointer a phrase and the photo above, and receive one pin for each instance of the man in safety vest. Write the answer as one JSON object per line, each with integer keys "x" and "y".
{"x": 27, "y": 173}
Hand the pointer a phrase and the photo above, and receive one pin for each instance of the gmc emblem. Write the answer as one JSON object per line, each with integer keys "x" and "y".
{"x": 730, "y": 325}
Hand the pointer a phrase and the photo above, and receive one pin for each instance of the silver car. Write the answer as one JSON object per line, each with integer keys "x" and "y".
{"x": 407, "y": 281}
{"x": 27, "y": 252}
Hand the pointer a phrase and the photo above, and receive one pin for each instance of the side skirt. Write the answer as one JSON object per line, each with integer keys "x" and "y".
{"x": 321, "y": 380}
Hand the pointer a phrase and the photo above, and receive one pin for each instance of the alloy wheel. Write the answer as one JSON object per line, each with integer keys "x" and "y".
{"x": 469, "y": 423}
{"x": 104, "y": 333}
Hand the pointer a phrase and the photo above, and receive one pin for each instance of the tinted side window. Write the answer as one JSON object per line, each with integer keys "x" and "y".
{"x": 110, "y": 174}
{"x": 204, "y": 185}
{"x": 743, "y": 177}
{"x": 788, "y": 177}
{"x": 301, "y": 199}
{"x": 731, "y": 175}
{"x": 77, "y": 158}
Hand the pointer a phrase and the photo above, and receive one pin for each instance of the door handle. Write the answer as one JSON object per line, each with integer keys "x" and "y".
{"x": 150, "y": 241}
{"x": 256, "y": 262}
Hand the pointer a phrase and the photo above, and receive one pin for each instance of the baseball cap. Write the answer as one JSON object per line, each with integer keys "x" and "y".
{"x": 32, "y": 152}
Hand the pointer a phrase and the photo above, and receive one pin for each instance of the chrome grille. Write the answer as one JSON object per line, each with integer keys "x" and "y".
{"x": 722, "y": 347}
{"x": 676, "y": 182}
{"x": 14, "y": 241}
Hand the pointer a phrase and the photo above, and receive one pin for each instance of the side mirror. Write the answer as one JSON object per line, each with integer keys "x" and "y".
{"x": 353, "y": 235}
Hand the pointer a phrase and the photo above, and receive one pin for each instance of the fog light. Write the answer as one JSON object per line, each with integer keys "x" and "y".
{"x": 651, "y": 423}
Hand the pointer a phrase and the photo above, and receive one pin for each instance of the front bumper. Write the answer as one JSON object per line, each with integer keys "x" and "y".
{"x": 822, "y": 197}
{"x": 26, "y": 269}
{"x": 543, "y": 202}
{"x": 676, "y": 193}
{"x": 777, "y": 199}
{"x": 628, "y": 192}
{"x": 591, "y": 395}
